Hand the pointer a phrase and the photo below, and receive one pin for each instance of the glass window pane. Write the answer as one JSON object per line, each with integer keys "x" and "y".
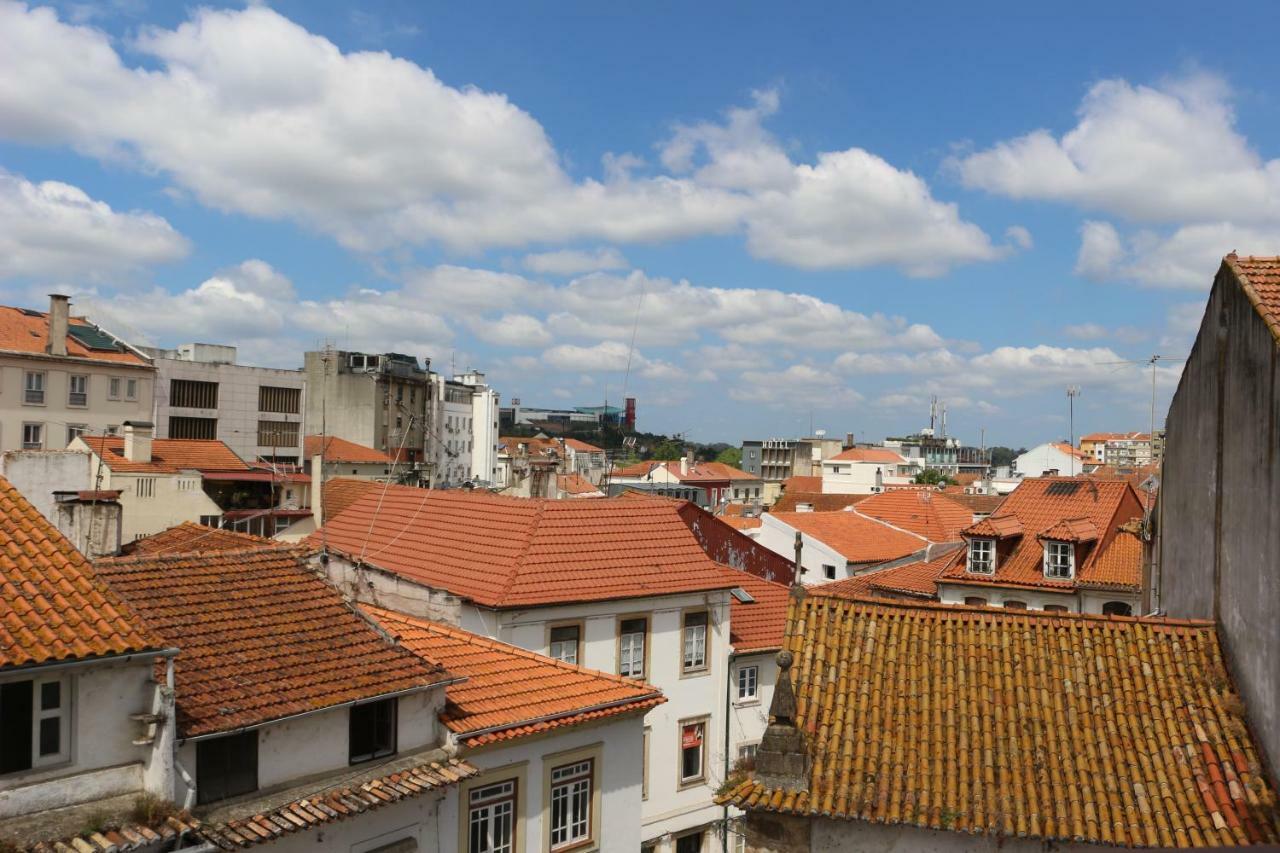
{"x": 50, "y": 695}
{"x": 51, "y": 736}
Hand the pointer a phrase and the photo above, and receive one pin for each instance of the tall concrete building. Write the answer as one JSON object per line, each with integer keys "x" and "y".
{"x": 201, "y": 392}
{"x": 378, "y": 400}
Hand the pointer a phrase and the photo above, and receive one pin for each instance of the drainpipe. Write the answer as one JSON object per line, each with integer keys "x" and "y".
{"x": 728, "y": 684}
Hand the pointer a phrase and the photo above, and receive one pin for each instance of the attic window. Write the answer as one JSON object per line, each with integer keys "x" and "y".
{"x": 1059, "y": 560}
{"x": 982, "y": 556}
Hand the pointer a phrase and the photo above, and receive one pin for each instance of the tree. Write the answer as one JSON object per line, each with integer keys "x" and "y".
{"x": 933, "y": 477}
{"x": 731, "y": 456}
{"x": 668, "y": 450}
{"x": 1001, "y": 456}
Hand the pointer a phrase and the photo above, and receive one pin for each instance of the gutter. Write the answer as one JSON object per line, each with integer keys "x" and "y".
{"x": 412, "y": 690}
{"x": 169, "y": 653}
{"x": 603, "y": 706}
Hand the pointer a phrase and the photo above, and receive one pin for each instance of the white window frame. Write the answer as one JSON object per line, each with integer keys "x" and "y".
{"x": 131, "y": 389}
{"x": 62, "y": 713}
{"x": 74, "y": 431}
{"x": 828, "y": 571}
{"x": 685, "y": 781}
{"x": 570, "y": 813}
{"x": 557, "y": 648}
{"x": 748, "y": 750}
{"x": 633, "y": 648}
{"x": 748, "y": 680}
{"x": 83, "y": 392}
{"x": 37, "y": 387}
{"x": 38, "y": 444}
{"x": 989, "y": 559}
{"x": 490, "y": 805}
{"x": 1053, "y": 565}
{"x": 694, "y": 642}
{"x": 113, "y": 387}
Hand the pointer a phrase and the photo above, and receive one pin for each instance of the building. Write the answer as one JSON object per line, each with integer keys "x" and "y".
{"x": 621, "y": 586}
{"x": 462, "y": 443}
{"x": 1217, "y": 542}
{"x": 916, "y": 580}
{"x": 63, "y": 376}
{"x": 1052, "y": 459}
{"x": 201, "y": 392}
{"x": 837, "y": 545}
{"x": 756, "y": 636}
{"x": 60, "y": 485}
{"x": 560, "y": 421}
{"x": 381, "y": 401}
{"x": 1121, "y": 449}
{"x": 865, "y": 471}
{"x": 342, "y": 458}
{"x": 774, "y": 460}
{"x": 1057, "y": 543}
{"x": 925, "y": 451}
{"x": 586, "y": 460}
{"x": 87, "y": 720}
{"x": 715, "y": 483}
{"x": 905, "y": 726}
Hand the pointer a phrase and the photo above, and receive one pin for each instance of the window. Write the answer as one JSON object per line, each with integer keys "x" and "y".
{"x": 113, "y": 429}
{"x": 372, "y": 730}
{"x": 113, "y": 388}
{"x": 748, "y": 682}
{"x": 146, "y": 487}
{"x": 631, "y": 642}
{"x": 226, "y": 766}
{"x": 692, "y": 754}
{"x": 131, "y": 389}
{"x": 34, "y": 388}
{"x": 828, "y": 571}
{"x": 183, "y": 427}
{"x": 1059, "y": 559}
{"x": 564, "y": 643}
{"x": 277, "y": 434}
{"x": 74, "y": 431}
{"x": 491, "y": 818}
{"x": 975, "y": 601}
{"x": 1015, "y": 605}
{"x": 747, "y": 752}
{"x": 34, "y": 723}
{"x": 689, "y": 843}
{"x": 211, "y": 520}
{"x": 982, "y": 556}
{"x": 77, "y": 390}
{"x": 33, "y": 436}
{"x": 1117, "y": 608}
{"x": 1055, "y": 608}
{"x": 571, "y": 804}
{"x": 193, "y": 394}
{"x": 286, "y": 401}
{"x": 694, "y": 657}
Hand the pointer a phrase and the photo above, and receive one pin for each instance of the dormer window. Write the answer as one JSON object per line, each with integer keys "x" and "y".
{"x": 1059, "y": 560}
{"x": 982, "y": 556}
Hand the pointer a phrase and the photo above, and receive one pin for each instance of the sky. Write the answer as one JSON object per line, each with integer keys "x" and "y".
{"x": 751, "y": 217}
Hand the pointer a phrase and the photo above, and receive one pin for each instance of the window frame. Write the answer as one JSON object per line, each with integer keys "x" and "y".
{"x": 62, "y": 713}
{"x": 393, "y": 703}
{"x": 131, "y": 389}
{"x": 246, "y": 737}
{"x": 33, "y": 445}
{"x": 975, "y": 601}
{"x": 577, "y": 626}
{"x": 682, "y": 781}
{"x": 513, "y": 774}
{"x": 27, "y": 390}
{"x": 578, "y": 776}
{"x": 644, "y": 649}
{"x": 74, "y": 431}
{"x": 969, "y": 564}
{"x": 753, "y": 670}
{"x": 1049, "y": 563}
{"x": 705, "y": 666}
{"x": 113, "y": 387}
{"x": 84, "y": 394}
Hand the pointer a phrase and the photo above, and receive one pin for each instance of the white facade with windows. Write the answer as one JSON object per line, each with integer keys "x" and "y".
{"x": 45, "y": 402}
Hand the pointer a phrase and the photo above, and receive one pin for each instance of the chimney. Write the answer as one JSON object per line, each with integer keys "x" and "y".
{"x": 317, "y": 490}
{"x": 684, "y": 465}
{"x": 59, "y": 311}
{"x": 137, "y": 441}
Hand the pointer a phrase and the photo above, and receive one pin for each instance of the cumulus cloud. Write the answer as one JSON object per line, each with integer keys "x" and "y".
{"x": 1099, "y": 332}
{"x": 932, "y": 361}
{"x": 574, "y": 261}
{"x": 800, "y": 385}
{"x": 511, "y": 330}
{"x": 249, "y": 112}
{"x": 1186, "y": 258}
{"x": 52, "y": 229}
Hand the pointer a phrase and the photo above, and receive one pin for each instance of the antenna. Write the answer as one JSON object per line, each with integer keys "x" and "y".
{"x": 1073, "y": 391}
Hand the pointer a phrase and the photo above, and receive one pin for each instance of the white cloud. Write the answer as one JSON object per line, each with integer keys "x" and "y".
{"x": 1010, "y": 370}
{"x": 1098, "y": 332}
{"x": 1100, "y": 250}
{"x": 1186, "y": 259}
{"x": 800, "y": 385}
{"x": 52, "y": 229}
{"x": 1019, "y": 237}
{"x": 249, "y": 112}
{"x": 606, "y": 355}
{"x": 511, "y": 330}
{"x": 932, "y": 361}
{"x": 574, "y": 261}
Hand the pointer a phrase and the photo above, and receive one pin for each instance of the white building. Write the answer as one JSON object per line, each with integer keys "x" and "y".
{"x": 1052, "y": 458}
{"x": 62, "y": 376}
{"x": 837, "y": 545}
{"x": 256, "y": 411}
{"x": 864, "y": 471}
{"x": 462, "y": 441}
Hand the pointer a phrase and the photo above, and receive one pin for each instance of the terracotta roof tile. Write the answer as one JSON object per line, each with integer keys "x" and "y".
{"x": 758, "y": 626}
{"x": 576, "y": 484}
{"x": 801, "y": 483}
{"x": 869, "y": 454}
{"x": 53, "y": 605}
{"x": 168, "y": 455}
{"x": 340, "y": 450}
{"x": 696, "y": 472}
{"x": 582, "y": 446}
{"x": 261, "y": 637}
{"x": 925, "y": 513}
{"x": 342, "y": 492}
{"x": 1260, "y": 278}
{"x": 27, "y": 331}
{"x": 518, "y": 552}
{"x": 1071, "y": 530}
{"x": 510, "y": 692}
{"x": 788, "y": 501}
{"x": 741, "y": 522}
{"x": 919, "y": 579}
{"x": 977, "y": 504}
{"x": 122, "y": 838}
{"x": 859, "y": 538}
{"x": 189, "y": 537}
{"x": 1059, "y": 727}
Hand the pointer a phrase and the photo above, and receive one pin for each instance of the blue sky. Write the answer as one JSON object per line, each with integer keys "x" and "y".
{"x": 834, "y": 211}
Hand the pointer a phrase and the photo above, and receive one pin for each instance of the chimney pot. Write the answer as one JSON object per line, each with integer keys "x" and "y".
{"x": 137, "y": 440}
{"x": 59, "y": 316}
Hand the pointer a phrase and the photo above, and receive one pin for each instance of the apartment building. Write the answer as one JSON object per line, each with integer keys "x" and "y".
{"x": 381, "y": 401}
{"x": 714, "y": 484}
{"x": 462, "y": 443}
{"x": 202, "y": 393}
{"x": 865, "y": 471}
{"x": 63, "y": 376}
{"x": 774, "y": 460}
{"x": 1051, "y": 459}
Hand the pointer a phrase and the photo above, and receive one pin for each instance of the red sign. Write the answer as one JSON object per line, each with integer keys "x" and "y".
{"x": 691, "y": 736}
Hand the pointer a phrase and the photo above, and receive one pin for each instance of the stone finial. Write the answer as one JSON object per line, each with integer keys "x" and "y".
{"x": 782, "y": 761}
{"x": 783, "y": 706}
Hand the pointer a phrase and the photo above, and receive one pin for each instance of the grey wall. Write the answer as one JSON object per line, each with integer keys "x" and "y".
{"x": 1218, "y": 553}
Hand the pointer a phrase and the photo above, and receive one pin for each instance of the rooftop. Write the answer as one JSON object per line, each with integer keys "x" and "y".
{"x": 26, "y": 331}
{"x": 189, "y": 537}
{"x": 1260, "y": 278}
{"x": 694, "y": 472}
{"x": 788, "y": 501}
{"x": 576, "y": 484}
{"x": 868, "y": 454}
{"x": 800, "y": 483}
{"x": 925, "y": 513}
{"x": 53, "y": 606}
{"x": 168, "y": 455}
{"x": 505, "y": 552}
{"x": 1108, "y": 730}
{"x": 510, "y": 692}
{"x": 342, "y": 492}
{"x": 918, "y": 579}
{"x": 758, "y": 626}
{"x": 858, "y": 538}
{"x": 261, "y": 637}
{"x": 340, "y": 450}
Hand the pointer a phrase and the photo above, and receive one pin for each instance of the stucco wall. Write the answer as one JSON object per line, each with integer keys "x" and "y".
{"x": 780, "y": 537}
{"x": 55, "y": 414}
{"x": 733, "y": 548}
{"x": 1219, "y": 542}
{"x": 40, "y": 473}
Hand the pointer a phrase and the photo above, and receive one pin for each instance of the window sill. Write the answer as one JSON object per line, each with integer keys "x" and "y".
{"x": 684, "y": 785}
{"x": 746, "y": 703}
{"x": 695, "y": 673}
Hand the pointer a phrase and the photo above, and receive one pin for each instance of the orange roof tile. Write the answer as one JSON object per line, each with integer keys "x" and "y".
{"x": 977, "y": 504}
{"x": 1059, "y": 727}
{"x": 582, "y": 446}
{"x": 168, "y": 455}
{"x": 741, "y": 522}
{"x": 788, "y": 501}
{"x": 576, "y": 484}
{"x": 925, "y": 513}
{"x": 53, "y": 606}
{"x": 1119, "y": 564}
{"x": 1260, "y": 278}
{"x": 697, "y": 472}
{"x": 800, "y": 483}
{"x": 858, "y": 538}
{"x": 869, "y": 454}
{"x": 518, "y": 552}
{"x": 510, "y": 692}
{"x": 261, "y": 637}
{"x": 340, "y": 450}
{"x": 27, "y": 331}
{"x": 1065, "y": 507}
{"x": 533, "y": 446}
{"x": 919, "y": 579}
{"x": 189, "y": 537}
{"x": 342, "y": 492}
{"x": 758, "y": 626}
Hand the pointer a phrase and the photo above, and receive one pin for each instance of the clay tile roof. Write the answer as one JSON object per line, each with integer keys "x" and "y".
{"x": 189, "y": 537}
{"x": 978, "y": 504}
{"x": 510, "y": 692}
{"x": 925, "y": 513}
{"x": 800, "y": 483}
{"x": 918, "y": 579}
{"x": 1119, "y": 564}
{"x": 858, "y": 538}
{"x": 869, "y": 454}
{"x": 503, "y": 551}
{"x": 582, "y": 446}
{"x": 532, "y": 446}
{"x": 1260, "y": 278}
{"x": 53, "y": 606}
{"x": 340, "y": 450}
{"x": 1069, "y": 728}
{"x": 576, "y": 484}
{"x": 27, "y": 331}
{"x": 262, "y": 637}
{"x": 342, "y": 492}
{"x": 758, "y": 626}
{"x": 741, "y": 522}
{"x": 820, "y": 502}
{"x": 168, "y": 455}
{"x": 123, "y": 838}
{"x": 997, "y": 526}
{"x": 1073, "y": 509}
